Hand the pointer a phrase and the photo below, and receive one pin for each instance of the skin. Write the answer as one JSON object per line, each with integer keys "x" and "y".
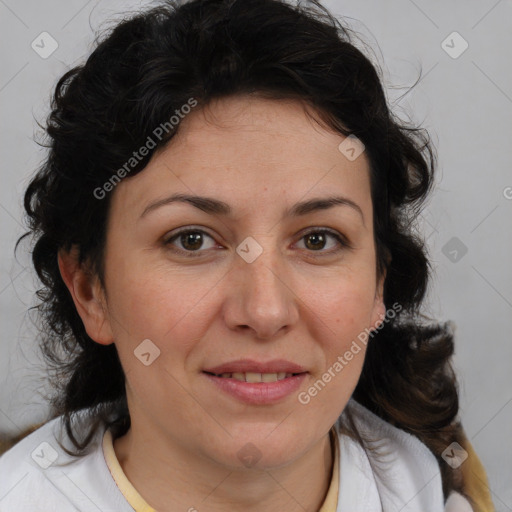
{"x": 297, "y": 301}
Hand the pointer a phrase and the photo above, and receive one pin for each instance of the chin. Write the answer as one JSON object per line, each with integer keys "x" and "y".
{"x": 261, "y": 452}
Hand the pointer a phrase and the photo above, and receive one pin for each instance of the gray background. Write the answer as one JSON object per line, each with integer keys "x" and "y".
{"x": 465, "y": 103}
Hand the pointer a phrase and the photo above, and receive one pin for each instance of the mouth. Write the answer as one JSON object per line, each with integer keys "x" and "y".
{"x": 251, "y": 366}
{"x": 254, "y": 377}
{"x": 256, "y": 383}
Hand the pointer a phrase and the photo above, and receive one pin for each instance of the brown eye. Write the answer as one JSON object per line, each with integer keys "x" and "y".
{"x": 189, "y": 241}
{"x": 316, "y": 241}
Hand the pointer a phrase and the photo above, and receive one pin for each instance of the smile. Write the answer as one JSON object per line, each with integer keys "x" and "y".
{"x": 256, "y": 377}
{"x": 257, "y": 388}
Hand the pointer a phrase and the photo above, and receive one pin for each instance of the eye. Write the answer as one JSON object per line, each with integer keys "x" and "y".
{"x": 191, "y": 241}
{"x": 317, "y": 239}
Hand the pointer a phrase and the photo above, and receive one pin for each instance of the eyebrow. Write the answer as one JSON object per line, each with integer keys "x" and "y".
{"x": 216, "y": 207}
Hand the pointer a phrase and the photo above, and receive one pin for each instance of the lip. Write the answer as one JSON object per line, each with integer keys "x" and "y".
{"x": 262, "y": 393}
{"x": 250, "y": 365}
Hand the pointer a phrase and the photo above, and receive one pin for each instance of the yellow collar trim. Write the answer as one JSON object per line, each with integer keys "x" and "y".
{"x": 331, "y": 500}
{"x": 131, "y": 495}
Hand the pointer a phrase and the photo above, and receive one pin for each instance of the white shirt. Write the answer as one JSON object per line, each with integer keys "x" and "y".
{"x": 36, "y": 475}
{"x": 406, "y": 479}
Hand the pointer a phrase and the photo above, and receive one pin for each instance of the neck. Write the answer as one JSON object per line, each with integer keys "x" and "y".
{"x": 170, "y": 478}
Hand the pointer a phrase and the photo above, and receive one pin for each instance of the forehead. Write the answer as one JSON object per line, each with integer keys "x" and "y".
{"x": 289, "y": 125}
{"x": 242, "y": 149}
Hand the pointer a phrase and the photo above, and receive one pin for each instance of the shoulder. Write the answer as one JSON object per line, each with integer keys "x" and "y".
{"x": 403, "y": 472}
{"x": 36, "y": 474}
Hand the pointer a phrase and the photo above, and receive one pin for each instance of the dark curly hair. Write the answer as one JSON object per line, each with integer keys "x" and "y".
{"x": 146, "y": 68}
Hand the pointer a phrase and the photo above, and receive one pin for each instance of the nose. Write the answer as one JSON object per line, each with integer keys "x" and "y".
{"x": 261, "y": 298}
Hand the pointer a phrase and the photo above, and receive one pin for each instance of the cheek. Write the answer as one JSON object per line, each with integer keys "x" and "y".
{"x": 344, "y": 314}
{"x": 171, "y": 307}
{"x": 345, "y": 306}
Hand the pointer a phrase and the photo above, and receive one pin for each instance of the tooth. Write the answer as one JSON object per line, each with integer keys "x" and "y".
{"x": 253, "y": 377}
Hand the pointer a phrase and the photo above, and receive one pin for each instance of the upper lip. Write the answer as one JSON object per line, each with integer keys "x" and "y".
{"x": 250, "y": 365}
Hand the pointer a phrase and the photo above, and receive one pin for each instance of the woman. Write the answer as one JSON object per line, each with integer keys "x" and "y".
{"x": 231, "y": 284}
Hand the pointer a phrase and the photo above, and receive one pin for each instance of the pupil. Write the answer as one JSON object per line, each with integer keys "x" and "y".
{"x": 319, "y": 240}
{"x": 194, "y": 238}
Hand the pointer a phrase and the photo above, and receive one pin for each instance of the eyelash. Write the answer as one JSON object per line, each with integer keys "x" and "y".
{"x": 343, "y": 242}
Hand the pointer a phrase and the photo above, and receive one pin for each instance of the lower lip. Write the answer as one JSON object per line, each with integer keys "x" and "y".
{"x": 258, "y": 393}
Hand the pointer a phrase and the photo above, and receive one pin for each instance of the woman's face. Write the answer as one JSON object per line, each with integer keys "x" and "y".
{"x": 257, "y": 288}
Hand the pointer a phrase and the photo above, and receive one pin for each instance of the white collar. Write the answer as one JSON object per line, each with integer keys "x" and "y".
{"x": 405, "y": 478}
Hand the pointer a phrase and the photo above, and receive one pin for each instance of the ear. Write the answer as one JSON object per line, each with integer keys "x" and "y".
{"x": 88, "y": 295}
